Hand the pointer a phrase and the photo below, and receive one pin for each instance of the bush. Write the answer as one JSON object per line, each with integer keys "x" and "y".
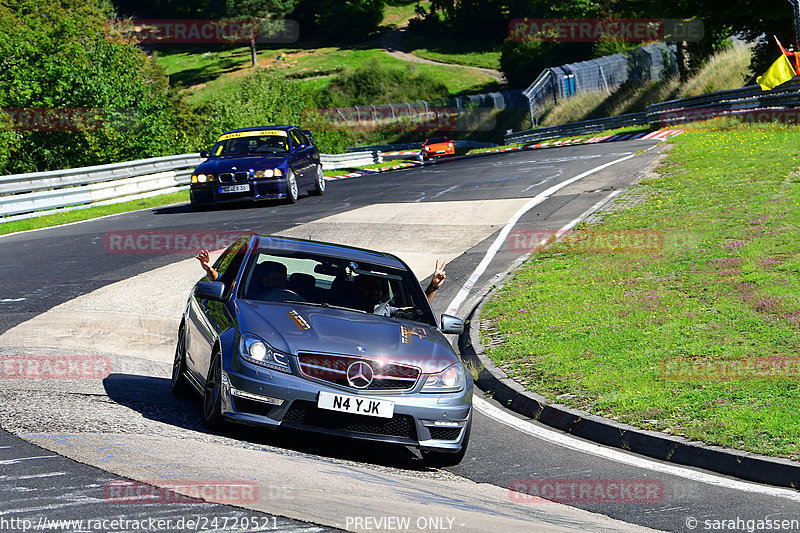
{"x": 375, "y": 82}
{"x": 62, "y": 55}
{"x": 344, "y": 21}
{"x": 522, "y": 62}
{"x": 267, "y": 98}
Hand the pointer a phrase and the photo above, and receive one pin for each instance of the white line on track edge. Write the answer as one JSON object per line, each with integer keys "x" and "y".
{"x": 501, "y": 237}
{"x": 597, "y": 450}
{"x": 567, "y": 441}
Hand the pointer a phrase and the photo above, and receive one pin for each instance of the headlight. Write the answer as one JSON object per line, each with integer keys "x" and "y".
{"x": 451, "y": 379}
{"x": 257, "y": 351}
{"x": 202, "y": 178}
{"x": 269, "y": 173}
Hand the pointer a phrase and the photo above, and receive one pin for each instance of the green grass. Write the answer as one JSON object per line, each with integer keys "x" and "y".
{"x": 340, "y": 171}
{"x": 445, "y": 49}
{"x": 725, "y": 70}
{"x": 65, "y": 217}
{"x": 398, "y": 12}
{"x": 206, "y": 75}
{"x": 604, "y": 329}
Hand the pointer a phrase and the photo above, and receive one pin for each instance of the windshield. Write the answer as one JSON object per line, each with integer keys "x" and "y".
{"x": 334, "y": 282}
{"x": 251, "y": 145}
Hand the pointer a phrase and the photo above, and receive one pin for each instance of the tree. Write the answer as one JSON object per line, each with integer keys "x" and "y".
{"x": 266, "y": 17}
{"x": 343, "y": 20}
{"x": 63, "y": 58}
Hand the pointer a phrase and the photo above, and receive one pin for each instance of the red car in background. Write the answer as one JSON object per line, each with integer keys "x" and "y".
{"x": 437, "y": 147}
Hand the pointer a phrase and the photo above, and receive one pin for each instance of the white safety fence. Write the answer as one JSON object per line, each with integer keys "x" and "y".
{"x": 42, "y": 193}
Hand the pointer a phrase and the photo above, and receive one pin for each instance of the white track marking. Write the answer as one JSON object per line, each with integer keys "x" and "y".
{"x": 572, "y": 443}
{"x": 20, "y": 459}
{"x": 501, "y": 237}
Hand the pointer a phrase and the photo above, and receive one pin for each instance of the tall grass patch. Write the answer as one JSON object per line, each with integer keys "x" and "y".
{"x": 698, "y": 336}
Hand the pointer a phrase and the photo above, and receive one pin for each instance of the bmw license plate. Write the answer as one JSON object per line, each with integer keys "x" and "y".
{"x": 245, "y": 187}
{"x": 355, "y": 404}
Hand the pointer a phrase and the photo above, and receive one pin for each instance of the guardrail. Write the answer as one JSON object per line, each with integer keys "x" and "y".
{"x": 418, "y": 146}
{"x": 352, "y": 159}
{"x": 42, "y": 193}
{"x": 578, "y": 128}
{"x": 721, "y": 103}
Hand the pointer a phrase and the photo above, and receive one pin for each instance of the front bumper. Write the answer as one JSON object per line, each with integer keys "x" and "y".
{"x": 267, "y": 398}
{"x": 259, "y": 189}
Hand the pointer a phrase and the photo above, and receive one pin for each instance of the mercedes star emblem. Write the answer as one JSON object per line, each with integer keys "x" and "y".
{"x": 359, "y": 375}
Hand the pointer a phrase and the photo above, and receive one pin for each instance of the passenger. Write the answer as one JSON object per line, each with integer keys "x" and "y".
{"x": 436, "y": 281}
{"x": 205, "y": 262}
{"x": 269, "y": 274}
{"x": 369, "y": 290}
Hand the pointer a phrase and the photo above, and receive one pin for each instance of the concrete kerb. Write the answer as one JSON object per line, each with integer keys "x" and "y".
{"x": 678, "y": 450}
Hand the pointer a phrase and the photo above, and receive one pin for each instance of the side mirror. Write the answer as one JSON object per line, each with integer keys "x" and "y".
{"x": 209, "y": 290}
{"x": 452, "y": 325}
{"x": 204, "y": 153}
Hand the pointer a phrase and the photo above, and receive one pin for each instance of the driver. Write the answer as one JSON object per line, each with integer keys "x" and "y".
{"x": 368, "y": 293}
{"x": 271, "y": 274}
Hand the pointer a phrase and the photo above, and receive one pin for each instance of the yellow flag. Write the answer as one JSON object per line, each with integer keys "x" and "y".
{"x": 781, "y": 71}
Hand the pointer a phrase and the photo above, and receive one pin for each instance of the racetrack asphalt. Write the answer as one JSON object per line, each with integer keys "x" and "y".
{"x": 55, "y": 266}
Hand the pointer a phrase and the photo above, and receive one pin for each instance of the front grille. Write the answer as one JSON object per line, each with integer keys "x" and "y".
{"x": 333, "y": 369}
{"x": 445, "y": 433}
{"x": 252, "y": 407}
{"x": 227, "y": 177}
{"x": 309, "y": 415}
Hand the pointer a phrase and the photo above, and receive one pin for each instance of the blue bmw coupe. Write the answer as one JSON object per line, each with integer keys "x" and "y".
{"x": 268, "y": 162}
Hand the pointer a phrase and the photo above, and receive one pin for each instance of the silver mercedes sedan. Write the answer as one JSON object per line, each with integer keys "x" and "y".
{"x": 324, "y": 338}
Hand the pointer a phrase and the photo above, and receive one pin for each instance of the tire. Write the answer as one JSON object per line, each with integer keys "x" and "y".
{"x": 443, "y": 459}
{"x": 319, "y": 182}
{"x": 212, "y": 395}
{"x": 180, "y": 387}
{"x": 292, "y": 191}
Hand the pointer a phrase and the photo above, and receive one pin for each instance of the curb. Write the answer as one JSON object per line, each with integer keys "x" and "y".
{"x": 673, "y": 449}
{"x": 660, "y": 135}
{"x": 366, "y": 172}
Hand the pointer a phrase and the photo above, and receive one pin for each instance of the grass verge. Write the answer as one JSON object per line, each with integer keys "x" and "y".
{"x": 65, "y": 217}
{"x": 698, "y": 332}
{"x": 340, "y": 171}
{"x": 725, "y": 70}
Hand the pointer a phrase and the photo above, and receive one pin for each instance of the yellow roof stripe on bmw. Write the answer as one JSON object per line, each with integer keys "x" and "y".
{"x": 256, "y": 133}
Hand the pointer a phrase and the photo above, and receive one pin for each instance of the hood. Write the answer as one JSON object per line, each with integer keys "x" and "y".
{"x": 226, "y": 164}
{"x": 295, "y": 328}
